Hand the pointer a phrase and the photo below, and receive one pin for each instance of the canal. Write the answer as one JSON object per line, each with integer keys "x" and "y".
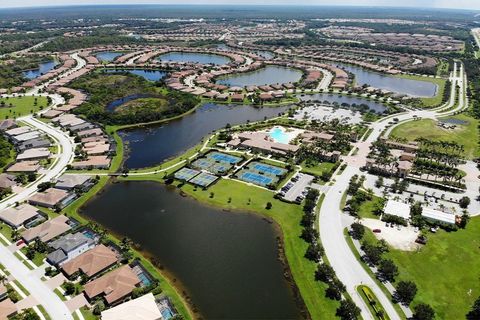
{"x": 228, "y": 262}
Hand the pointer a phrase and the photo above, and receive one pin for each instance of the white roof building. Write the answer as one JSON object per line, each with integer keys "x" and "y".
{"x": 397, "y": 208}
{"x": 439, "y": 216}
{"x": 143, "y": 308}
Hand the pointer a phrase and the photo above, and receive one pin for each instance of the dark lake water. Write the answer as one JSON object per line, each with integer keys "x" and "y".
{"x": 269, "y": 75}
{"x": 227, "y": 261}
{"x": 410, "y": 87}
{"x": 150, "y": 75}
{"x": 42, "y": 69}
{"x": 374, "y": 106}
{"x": 107, "y": 56}
{"x": 152, "y": 145}
{"x": 202, "y": 58}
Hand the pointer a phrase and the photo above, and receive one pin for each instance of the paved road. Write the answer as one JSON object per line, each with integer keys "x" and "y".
{"x": 54, "y": 306}
{"x": 349, "y": 270}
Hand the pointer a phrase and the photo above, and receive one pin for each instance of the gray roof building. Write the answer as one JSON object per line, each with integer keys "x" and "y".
{"x": 69, "y": 246}
{"x": 40, "y": 142}
{"x": 70, "y": 181}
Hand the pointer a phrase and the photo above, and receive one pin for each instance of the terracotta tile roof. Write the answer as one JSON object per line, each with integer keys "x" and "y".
{"x": 114, "y": 285}
{"x": 91, "y": 262}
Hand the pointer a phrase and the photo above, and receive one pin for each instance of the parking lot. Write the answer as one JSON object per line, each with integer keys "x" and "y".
{"x": 295, "y": 189}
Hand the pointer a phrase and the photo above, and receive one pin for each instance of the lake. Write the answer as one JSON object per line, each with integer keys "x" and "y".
{"x": 42, "y": 69}
{"x": 271, "y": 74}
{"x": 117, "y": 103}
{"x": 193, "y": 57}
{"x": 226, "y": 261}
{"x": 152, "y": 145}
{"x": 150, "y": 75}
{"x": 377, "y": 80}
{"x": 108, "y": 56}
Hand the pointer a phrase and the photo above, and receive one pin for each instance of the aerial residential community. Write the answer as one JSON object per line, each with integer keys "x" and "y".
{"x": 239, "y": 161}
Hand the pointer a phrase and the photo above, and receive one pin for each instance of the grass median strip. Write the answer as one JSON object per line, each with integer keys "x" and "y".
{"x": 373, "y": 303}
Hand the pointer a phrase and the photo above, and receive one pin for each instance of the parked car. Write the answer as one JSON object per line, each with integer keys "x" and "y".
{"x": 20, "y": 242}
{"x": 376, "y": 230}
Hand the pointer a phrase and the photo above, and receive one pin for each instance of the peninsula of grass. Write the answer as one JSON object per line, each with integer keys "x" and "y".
{"x": 234, "y": 195}
{"x": 367, "y": 208}
{"x": 464, "y": 134}
{"x": 372, "y": 302}
{"x": 15, "y": 107}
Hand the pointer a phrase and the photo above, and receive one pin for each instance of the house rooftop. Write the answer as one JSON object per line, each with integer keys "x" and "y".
{"x": 114, "y": 285}
{"x": 16, "y": 216}
{"x": 397, "y": 208}
{"x": 70, "y": 181}
{"x": 143, "y": 308}
{"x": 49, "y": 197}
{"x": 47, "y": 230}
{"x": 91, "y": 262}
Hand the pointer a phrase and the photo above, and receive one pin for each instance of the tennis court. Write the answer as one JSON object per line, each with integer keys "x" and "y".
{"x": 216, "y": 162}
{"x": 268, "y": 169}
{"x": 204, "y": 179}
{"x": 186, "y": 174}
{"x": 261, "y": 174}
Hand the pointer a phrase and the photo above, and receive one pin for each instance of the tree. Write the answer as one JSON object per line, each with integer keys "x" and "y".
{"x": 474, "y": 314}
{"x": 388, "y": 270}
{"x": 268, "y": 206}
{"x": 69, "y": 288}
{"x": 464, "y": 202}
{"x": 406, "y": 291}
{"x": 335, "y": 289}
{"x": 314, "y": 252}
{"x": 379, "y": 183}
{"x": 423, "y": 311}
{"x": 324, "y": 273}
{"x": 358, "y": 230}
{"x": 99, "y": 307}
{"x": 348, "y": 310}
{"x": 372, "y": 252}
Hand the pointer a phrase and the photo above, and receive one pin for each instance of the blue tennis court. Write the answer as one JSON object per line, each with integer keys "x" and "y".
{"x": 222, "y": 157}
{"x": 203, "y": 179}
{"x": 186, "y": 174}
{"x": 265, "y": 168}
{"x": 256, "y": 178}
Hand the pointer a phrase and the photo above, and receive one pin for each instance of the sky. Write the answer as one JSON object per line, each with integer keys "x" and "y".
{"x": 458, "y": 4}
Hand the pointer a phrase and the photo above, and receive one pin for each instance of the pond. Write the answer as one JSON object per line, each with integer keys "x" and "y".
{"x": 265, "y": 54}
{"x": 116, "y": 103}
{"x": 226, "y": 261}
{"x": 108, "y": 56}
{"x": 43, "y": 68}
{"x": 152, "y": 145}
{"x": 193, "y": 57}
{"x": 271, "y": 74}
{"x": 377, "y": 80}
{"x": 372, "y": 105}
{"x": 150, "y": 75}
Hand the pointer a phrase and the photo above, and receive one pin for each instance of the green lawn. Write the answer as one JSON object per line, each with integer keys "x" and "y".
{"x": 288, "y": 217}
{"x": 87, "y": 314}
{"x": 21, "y": 106}
{"x": 446, "y": 270}
{"x": 466, "y": 135}
{"x": 44, "y": 312}
{"x": 367, "y": 208}
{"x": 318, "y": 168}
{"x": 38, "y": 259}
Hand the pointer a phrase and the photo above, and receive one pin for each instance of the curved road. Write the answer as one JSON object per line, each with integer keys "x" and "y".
{"x": 349, "y": 270}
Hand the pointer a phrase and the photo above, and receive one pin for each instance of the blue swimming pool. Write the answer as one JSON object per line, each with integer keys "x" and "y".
{"x": 279, "y": 135}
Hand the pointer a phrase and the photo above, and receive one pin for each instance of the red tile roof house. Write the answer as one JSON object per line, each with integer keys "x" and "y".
{"x": 48, "y": 230}
{"x": 49, "y": 198}
{"x": 91, "y": 262}
{"x": 113, "y": 286}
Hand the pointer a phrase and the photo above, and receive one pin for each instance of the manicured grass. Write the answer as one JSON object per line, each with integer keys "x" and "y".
{"x": 366, "y": 208}
{"x": 21, "y": 106}
{"x": 318, "y": 168}
{"x": 446, "y": 270}
{"x": 466, "y": 135}
{"x": 44, "y": 312}
{"x": 371, "y": 300}
{"x": 87, "y": 314}
{"x": 60, "y": 295}
{"x": 21, "y": 287}
{"x": 38, "y": 259}
{"x": 437, "y": 99}
{"x": 288, "y": 217}
{"x": 6, "y": 231}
